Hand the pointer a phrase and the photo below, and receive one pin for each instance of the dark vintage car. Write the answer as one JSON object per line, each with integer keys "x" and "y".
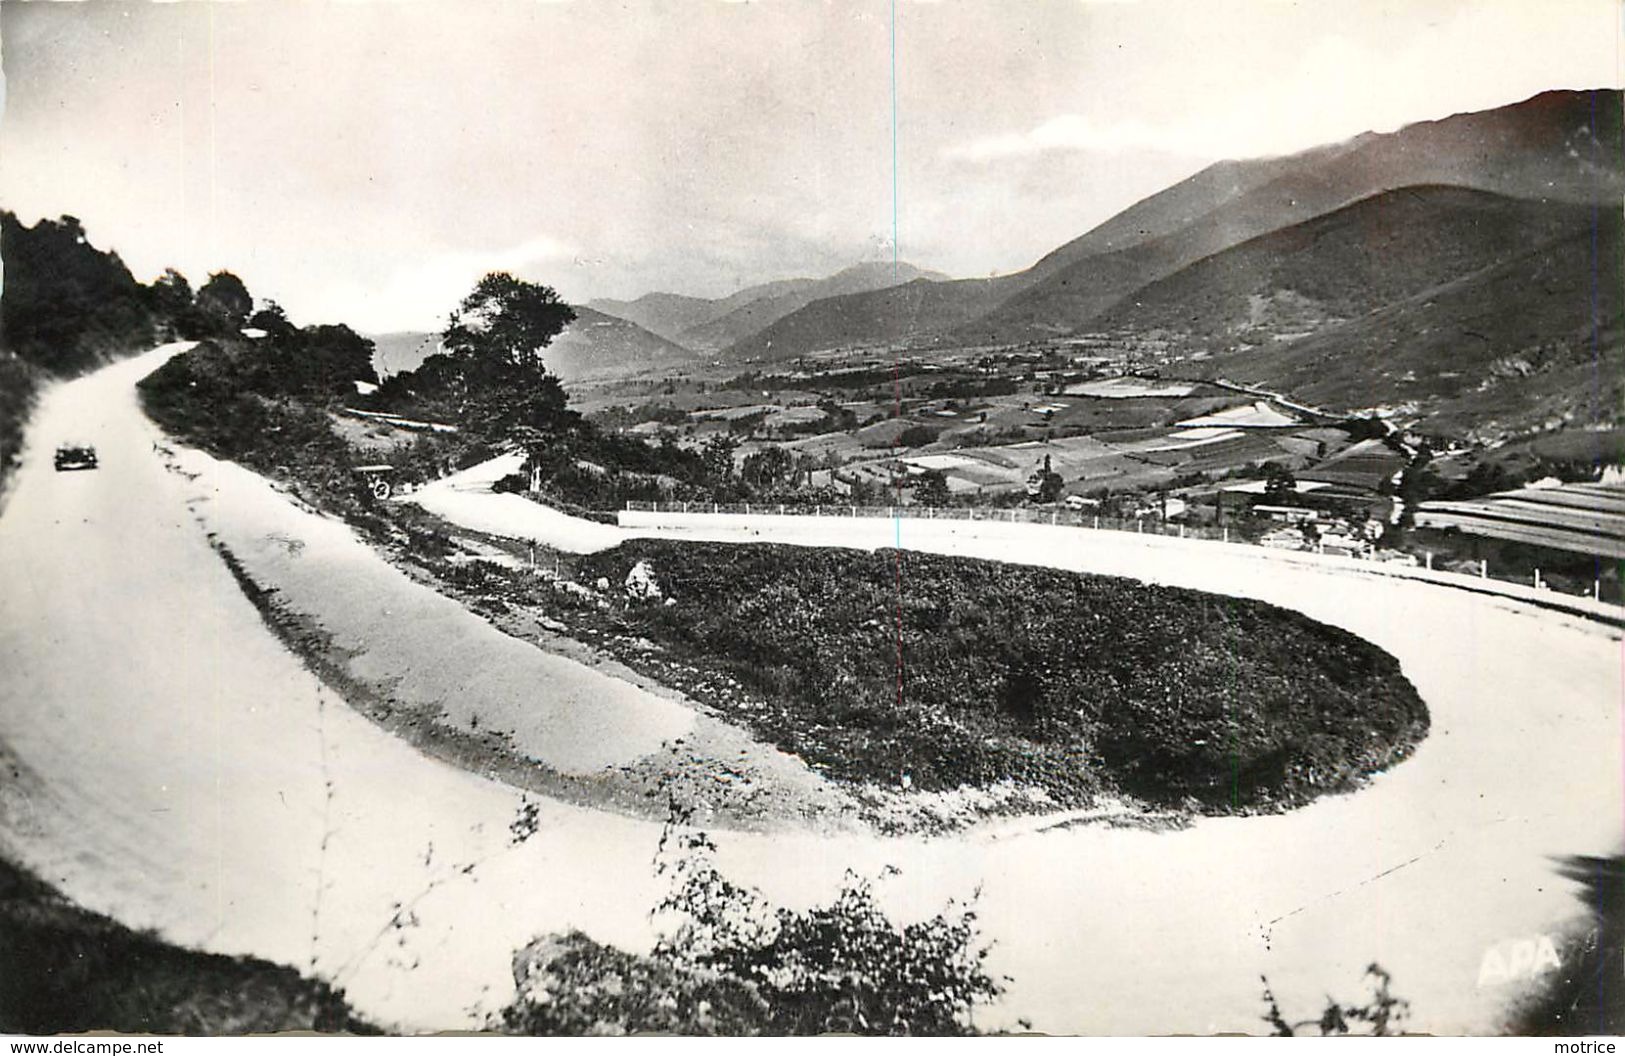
{"x": 75, "y": 456}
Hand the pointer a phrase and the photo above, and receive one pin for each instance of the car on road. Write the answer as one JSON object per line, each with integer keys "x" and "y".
{"x": 75, "y": 456}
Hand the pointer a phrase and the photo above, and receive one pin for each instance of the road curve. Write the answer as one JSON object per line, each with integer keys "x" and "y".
{"x": 172, "y": 765}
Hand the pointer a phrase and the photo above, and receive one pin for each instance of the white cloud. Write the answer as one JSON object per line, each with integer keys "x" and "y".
{"x": 422, "y": 292}
{"x": 539, "y": 250}
{"x": 1078, "y": 132}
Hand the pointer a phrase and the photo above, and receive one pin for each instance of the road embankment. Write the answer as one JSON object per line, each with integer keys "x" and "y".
{"x": 424, "y": 667}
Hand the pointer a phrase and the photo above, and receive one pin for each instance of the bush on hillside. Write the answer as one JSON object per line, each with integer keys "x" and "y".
{"x": 259, "y": 404}
{"x": 65, "y": 970}
{"x": 66, "y": 305}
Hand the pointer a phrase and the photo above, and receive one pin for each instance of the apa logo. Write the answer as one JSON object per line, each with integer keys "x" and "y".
{"x": 1517, "y": 959}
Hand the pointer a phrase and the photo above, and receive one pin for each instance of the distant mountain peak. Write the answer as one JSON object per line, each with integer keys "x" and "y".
{"x": 706, "y": 323}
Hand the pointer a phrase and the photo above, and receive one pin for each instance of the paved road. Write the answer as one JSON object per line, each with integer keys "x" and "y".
{"x": 172, "y": 765}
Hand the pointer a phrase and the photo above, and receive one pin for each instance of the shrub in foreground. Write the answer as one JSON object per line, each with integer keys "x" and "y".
{"x": 734, "y": 964}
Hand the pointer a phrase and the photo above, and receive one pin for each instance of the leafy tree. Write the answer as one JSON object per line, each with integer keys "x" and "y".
{"x": 931, "y": 489}
{"x": 328, "y": 359}
{"x": 718, "y": 453}
{"x": 506, "y": 322}
{"x": 172, "y": 294}
{"x": 65, "y": 305}
{"x": 1486, "y": 478}
{"x": 272, "y": 319}
{"x": 865, "y": 491}
{"x": 493, "y": 369}
{"x": 747, "y": 424}
{"x": 226, "y": 300}
{"x": 1369, "y": 427}
{"x": 1279, "y": 483}
{"x": 769, "y": 469}
{"x": 175, "y": 305}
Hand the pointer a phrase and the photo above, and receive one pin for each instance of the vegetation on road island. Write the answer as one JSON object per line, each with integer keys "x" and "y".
{"x": 951, "y": 671}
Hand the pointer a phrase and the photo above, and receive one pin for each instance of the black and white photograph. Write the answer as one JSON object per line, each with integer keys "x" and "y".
{"x": 812, "y": 517}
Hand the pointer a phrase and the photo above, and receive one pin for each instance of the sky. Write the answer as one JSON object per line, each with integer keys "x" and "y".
{"x": 366, "y": 162}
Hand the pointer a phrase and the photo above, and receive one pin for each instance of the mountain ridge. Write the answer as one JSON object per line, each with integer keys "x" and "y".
{"x": 714, "y": 323}
{"x": 1562, "y": 145}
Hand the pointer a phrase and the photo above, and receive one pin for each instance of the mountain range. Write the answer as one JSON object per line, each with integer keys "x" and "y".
{"x": 1434, "y": 263}
{"x": 711, "y": 325}
{"x": 1558, "y": 147}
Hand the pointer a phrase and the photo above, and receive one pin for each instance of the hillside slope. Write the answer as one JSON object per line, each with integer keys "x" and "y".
{"x": 663, "y": 314}
{"x": 899, "y": 314}
{"x": 715, "y": 323}
{"x": 1339, "y": 266}
{"x": 761, "y": 312}
{"x": 598, "y": 345}
{"x": 1535, "y": 341}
